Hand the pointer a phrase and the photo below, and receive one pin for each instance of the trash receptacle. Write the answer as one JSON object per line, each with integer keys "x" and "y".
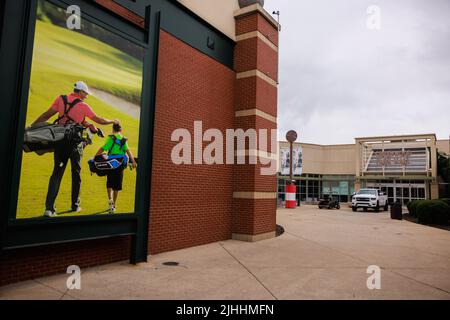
{"x": 396, "y": 211}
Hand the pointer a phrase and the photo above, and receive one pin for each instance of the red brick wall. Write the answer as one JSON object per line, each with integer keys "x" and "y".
{"x": 252, "y": 217}
{"x": 254, "y": 22}
{"x": 248, "y": 177}
{"x": 29, "y": 263}
{"x": 247, "y": 50}
{"x": 123, "y": 12}
{"x": 190, "y": 204}
{"x": 254, "y": 91}
{"x": 254, "y": 206}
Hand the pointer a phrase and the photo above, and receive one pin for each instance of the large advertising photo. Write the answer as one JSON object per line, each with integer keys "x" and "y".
{"x": 82, "y": 120}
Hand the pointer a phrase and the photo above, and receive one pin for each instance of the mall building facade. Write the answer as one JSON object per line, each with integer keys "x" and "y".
{"x": 405, "y": 167}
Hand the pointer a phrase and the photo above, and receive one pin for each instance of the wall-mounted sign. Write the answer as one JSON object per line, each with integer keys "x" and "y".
{"x": 388, "y": 158}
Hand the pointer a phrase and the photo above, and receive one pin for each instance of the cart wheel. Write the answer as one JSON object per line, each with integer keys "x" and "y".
{"x": 338, "y": 207}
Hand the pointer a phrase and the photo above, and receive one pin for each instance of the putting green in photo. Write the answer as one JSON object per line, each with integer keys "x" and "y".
{"x": 60, "y": 58}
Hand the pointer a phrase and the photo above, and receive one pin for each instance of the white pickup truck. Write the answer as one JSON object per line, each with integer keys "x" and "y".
{"x": 370, "y": 198}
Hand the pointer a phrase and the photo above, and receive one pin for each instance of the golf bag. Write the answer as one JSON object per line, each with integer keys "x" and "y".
{"x": 44, "y": 137}
{"x": 103, "y": 164}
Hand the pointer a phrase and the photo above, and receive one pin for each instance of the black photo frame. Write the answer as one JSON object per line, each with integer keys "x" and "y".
{"x": 40, "y": 231}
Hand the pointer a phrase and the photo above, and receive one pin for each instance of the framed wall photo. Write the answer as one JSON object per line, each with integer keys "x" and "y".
{"x": 91, "y": 74}
{"x": 108, "y": 71}
{"x": 111, "y": 60}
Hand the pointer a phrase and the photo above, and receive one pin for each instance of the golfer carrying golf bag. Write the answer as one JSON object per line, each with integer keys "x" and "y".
{"x": 70, "y": 109}
{"x": 116, "y": 145}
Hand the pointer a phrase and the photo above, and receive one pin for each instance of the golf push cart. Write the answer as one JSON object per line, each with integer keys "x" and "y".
{"x": 330, "y": 202}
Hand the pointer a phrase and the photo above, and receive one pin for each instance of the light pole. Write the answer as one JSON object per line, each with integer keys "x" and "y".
{"x": 291, "y": 190}
{"x": 277, "y": 13}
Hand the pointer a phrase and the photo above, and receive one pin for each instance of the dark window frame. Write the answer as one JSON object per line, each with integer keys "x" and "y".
{"x": 40, "y": 231}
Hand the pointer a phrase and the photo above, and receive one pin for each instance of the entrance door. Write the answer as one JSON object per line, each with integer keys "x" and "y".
{"x": 402, "y": 192}
{"x": 390, "y": 193}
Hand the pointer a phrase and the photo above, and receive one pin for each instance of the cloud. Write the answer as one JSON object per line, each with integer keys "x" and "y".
{"x": 339, "y": 80}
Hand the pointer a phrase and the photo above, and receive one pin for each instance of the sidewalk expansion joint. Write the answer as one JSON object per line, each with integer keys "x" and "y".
{"x": 64, "y": 293}
{"x": 248, "y": 270}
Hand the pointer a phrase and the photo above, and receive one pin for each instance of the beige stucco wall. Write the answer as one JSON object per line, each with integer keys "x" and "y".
{"x": 339, "y": 159}
{"x": 219, "y": 13}
{"x": 443, "y": 146}
{"x": 312, "y": 159}
{"x": 327, "y": 160}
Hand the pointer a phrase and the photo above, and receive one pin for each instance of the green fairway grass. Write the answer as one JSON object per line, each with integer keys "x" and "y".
{"x": 60, "y": 58}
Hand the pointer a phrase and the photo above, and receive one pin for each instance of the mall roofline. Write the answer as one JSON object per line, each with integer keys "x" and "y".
{"x": 398, "y": 137}
{"x": 319, "y": 145}
{"x": 374, "y": 138}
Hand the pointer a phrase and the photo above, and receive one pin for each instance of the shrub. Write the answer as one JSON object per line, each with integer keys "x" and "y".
{"x": 409, "y": 206}
{"x": 433, "y": 212}
{"x": 412, "y": 207}
{"x": 447, "y": 201}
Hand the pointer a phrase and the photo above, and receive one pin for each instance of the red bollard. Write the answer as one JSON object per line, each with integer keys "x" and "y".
{"x": 291, "y": 201}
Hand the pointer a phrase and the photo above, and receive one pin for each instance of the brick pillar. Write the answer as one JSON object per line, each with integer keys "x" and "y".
{"x": 256, "y": 66}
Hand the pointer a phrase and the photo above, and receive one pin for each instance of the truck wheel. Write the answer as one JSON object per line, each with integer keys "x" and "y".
{"x": 386, "y": 206}
{"x": 377, "y": 208}
{"x": 354, "y": 209}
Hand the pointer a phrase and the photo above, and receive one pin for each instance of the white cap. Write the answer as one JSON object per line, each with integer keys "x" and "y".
{"x": 80, "y": 85}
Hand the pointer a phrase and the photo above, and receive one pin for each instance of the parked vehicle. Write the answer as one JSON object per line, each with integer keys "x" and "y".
{"x": 330, "y": 202}
{"x": 370, "y": 198}
{"x": 351, "y": 199}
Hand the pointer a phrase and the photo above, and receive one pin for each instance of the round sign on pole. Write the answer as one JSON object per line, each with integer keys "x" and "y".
{"x": 291, "y": 136}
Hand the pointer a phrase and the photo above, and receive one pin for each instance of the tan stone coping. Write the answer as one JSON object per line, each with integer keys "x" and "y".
{"x": 257, "y": 153}
{"x": 253, "y": 238}
{"x": 256, "y": 73}
{"x": 257, "y": 34}
{"x": 255, "y": 195}
{"x": 256, "y": 8}
{"x": 255, "y": 112}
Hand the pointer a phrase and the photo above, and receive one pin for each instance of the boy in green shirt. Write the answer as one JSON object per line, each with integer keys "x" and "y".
{"x": 116, "y": 144}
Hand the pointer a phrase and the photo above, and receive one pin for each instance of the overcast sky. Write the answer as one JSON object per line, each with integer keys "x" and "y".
{"x": 340, "y": 80}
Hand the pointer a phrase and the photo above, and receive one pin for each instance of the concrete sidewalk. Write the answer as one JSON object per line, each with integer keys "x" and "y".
{"x": 323, "y": 255}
